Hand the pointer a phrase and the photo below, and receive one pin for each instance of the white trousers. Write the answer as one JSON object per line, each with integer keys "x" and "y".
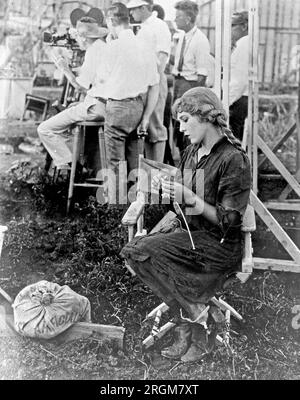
{"x": 54, "y": 132}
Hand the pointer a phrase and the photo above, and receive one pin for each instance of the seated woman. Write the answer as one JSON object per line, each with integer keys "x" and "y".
{"x": 183, "y": 277}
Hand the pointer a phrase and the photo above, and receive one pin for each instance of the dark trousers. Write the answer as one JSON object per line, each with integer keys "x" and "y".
{"x": 122, "y": 144}
{"x": 238, "y": 112}
{"x": 181, "y": 86}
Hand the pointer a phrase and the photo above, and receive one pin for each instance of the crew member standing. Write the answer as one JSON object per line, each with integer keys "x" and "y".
{"x": 192, "y": 56}
{"x": 239, "y": 76}
{"x": 131, "y": 86}
{"x": 154, "y": 32}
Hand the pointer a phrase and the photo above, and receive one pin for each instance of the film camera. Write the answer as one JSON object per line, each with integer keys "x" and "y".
{"x": 66, "y": 40}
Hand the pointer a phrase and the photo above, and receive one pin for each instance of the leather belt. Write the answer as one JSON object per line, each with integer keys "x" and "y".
{"x": 101, "y": 99}
{"x": 127, "y": 99}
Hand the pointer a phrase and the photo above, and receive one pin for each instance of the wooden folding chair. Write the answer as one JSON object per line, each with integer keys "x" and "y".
{"x": 134, "y": 219}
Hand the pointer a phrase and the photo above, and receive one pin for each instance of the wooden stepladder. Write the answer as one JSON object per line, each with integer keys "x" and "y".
{"x": 254, "y": 142}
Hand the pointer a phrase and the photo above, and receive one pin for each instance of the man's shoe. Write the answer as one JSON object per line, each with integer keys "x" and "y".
{"x": 183, "y": 334}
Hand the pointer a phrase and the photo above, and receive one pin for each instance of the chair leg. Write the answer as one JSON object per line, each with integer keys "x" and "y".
{"x": 225, "y": 306}
{"x": 102, "y": 152}
{"x": 163, "y": 307}
{"x": 48, "y": 161}
{"x": 73, "y": 168}
{"x": 54, "y": 175}
{"x": 227, "y": 328}
{"x": 157, "y": 319}
{"x": 149, "y": 341}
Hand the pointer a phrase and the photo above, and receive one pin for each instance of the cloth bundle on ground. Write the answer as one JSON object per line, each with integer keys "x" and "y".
{"x": 45, "y": 309}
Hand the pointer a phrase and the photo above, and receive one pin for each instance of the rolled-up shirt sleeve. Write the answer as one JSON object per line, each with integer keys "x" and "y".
{"x": 233, "y": 191}
{"x": 202, "y": 55}
{"x": 164, "y": 41}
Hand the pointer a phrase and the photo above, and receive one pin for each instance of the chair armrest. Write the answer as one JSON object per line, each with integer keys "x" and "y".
{"x": 133, "y": 213}
{"x": 169, "y": 217}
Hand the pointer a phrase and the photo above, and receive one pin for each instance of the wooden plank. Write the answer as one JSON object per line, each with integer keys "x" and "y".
{"x": 3, "y": 229}
{"x": 251, "y": 78}
{"x": 298, "y": 128}
{"x": 275, "y": 227}
{"x": 289, "y": 38}
{"x": 226, "y": 54}
{"x": 279, "y": 143}
{"x": 88, "y": 185}
{"x": 271, "y": 176}
{"x": 278, "y": 164}
{"x": 7, "y": 323}
{"x": 270, "y": 43}
{"x": 218, "y": 47}
{"x": 278, "y": 97}
{"x": 254, "y": 12}
{"x": 282, "y": 206}
{"x": 280, "y": 38}
{"x": 80, "y": 330}
{"x": 6, "y": 296}
{"x": 84, "y": 330}
{"x": 276, "y": 39}
{"x": 276, "y": 265}
{"x": 287, "y": 190}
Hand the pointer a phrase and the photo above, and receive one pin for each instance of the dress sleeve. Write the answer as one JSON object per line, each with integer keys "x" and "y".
{"x": 233, "y": 191}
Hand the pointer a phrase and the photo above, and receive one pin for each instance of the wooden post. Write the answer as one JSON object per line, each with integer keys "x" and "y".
{"x": 223, "y": 51}
{"x": 298, "y": 128}
{"x": 253, "y": 27}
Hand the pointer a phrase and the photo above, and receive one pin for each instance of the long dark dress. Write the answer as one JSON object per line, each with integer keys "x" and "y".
{"x": 167, "y": 263}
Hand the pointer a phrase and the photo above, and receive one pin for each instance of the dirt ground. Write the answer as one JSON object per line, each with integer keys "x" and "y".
{"x": 82, "y": 251}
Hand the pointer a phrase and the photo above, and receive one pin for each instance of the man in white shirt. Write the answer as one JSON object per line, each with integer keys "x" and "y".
{"x": 155, "y": 33}
{"x": 131, "y": 86}
{"x": 239, "y": 74}
{"x": 192, "y": 55}
{"x": 54, "y": 132}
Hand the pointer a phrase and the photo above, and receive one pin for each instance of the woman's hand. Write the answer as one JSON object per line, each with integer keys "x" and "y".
{"x": 177, "y": 192}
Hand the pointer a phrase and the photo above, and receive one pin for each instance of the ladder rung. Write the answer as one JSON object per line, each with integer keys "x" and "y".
{"x": 87, "y": 185}
{"x": 91, "y": 180}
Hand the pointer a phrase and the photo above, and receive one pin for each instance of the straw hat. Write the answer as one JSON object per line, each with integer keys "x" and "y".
{"x": 90, "y": 30}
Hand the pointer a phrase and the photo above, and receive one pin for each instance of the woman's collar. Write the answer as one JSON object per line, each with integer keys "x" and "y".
{"x": 222, "y": 140}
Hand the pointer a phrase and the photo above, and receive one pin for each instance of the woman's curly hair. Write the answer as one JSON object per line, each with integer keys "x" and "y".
{"x": 204, "y": 104}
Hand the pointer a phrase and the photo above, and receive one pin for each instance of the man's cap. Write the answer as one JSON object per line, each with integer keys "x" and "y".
{"x": 239, "y": 18}
{"x": 139, "y": 3}
{"x": 91, "y": 29}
